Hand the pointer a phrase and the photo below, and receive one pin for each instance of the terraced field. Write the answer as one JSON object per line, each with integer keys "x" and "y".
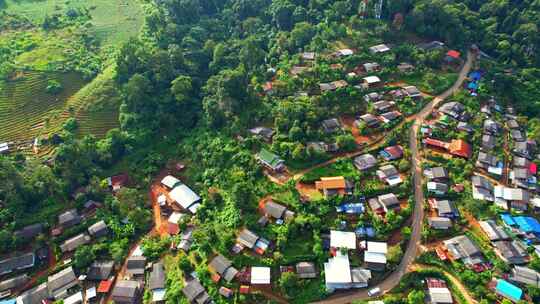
{"x": 114, "y": 20}
{"x": 26, "y": 109}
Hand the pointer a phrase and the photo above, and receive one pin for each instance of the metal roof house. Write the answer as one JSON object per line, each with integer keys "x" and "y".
{"x": 126, "y": 292}
{"x": 185, "y": 198}
{"x": 270, "y": 160}
{"x": 60, "y": 282}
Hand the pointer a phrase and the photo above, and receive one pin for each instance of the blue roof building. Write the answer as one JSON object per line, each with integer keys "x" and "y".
{"x": 527, "y": 224}
{"x": 351, "y": 208}
{"x": 365, "y": 231}
{"x": 476, "y": 75}
{"x": 508, "y": 290}
{"x": 508, "y": 219}
{"x": 9, "y": 301}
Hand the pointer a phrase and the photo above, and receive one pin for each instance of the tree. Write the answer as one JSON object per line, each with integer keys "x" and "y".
{"x": 181, "y": 88}
{"x": 289, "y": 282}
{"x": 416, "y": 297}
{"x": 83, "y": 257}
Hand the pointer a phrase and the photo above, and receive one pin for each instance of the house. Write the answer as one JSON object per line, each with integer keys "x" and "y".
{"x": 373, "y": 97}
{"x": 379, "y": 48}
{"x": 462, "y": 248}
{"x": 98, "y": 229}
{"x": 117, "y": 181}
{"x": 524, "y": 149}
{"x": 482, "y": 188}
{"x": 518, "y": 198}
{"x": 512, "y": 124}
{"x": 522, "y": 177}
{"x": 126, "y": 292}
{"x": 441, "y": 223}
{"x": 13, "y": 282}
{"x": 437, "y": 174}
{"x": 306, "y": 270}
{"x": 100, "y": 270}
{"x": 339, "y": 275}
{"x": 308, "y": 56}
{"x": 492, "y": 127}
{"x": 331, "y": 125}
{"x": 262, "y": 132}
{"x": 18, "y": 262}
{"x": 170, "y": 182}
{"x": 297, "y": 70}
{"x": 172, "y": 223}
{"x": 525, "y": 276}
{"x": 517, "y": 135}
{"x": 493, "y": 231}
{"x": 371, "y": 82}
{"x": 135, "y": 266}
{"x": 405, "y": 67}
{"x": 412, "y": 92}
{"x": 156, "y": 283}
{"x": 247, "y": 238}
{"x": 383, "y": 105}
{"x": 223, "y": 267}
{"x": 508, "y": 290}
{"x": 430, "y": 46}
{"x": 76, "y": 298}
{"x": 331, "y": 186}
{"x": 527, "y": 224}
{"x": 390, "y": 116}
{"x": 446, "y": 208}
{"x": 186, "y": 239}
{"x": 268, "y": 88}
{"x": 384, "y": 203}
{"x": 511, "y": 252}
{"x": 105, "y": 287}
{"x": 184, "y": 197}
{"x": 35, "y": 295}
{"x": 343, "y": 53}
{"x": 69, "y": 218}
{"x": 371, "y": 67}
{"x": 195, "y": 293}
{"x": 60, "y": 282}
{"x": 270, "y": 160}
{"x": 75, "y": 242}
{"x": 370, "y": 120}
{"x": 342, "y": 239}
{"x": 260, "y": 275}
{"x": 488, "y": 142}
{"x": 4, "y": 148}
{"x": 453, "y": 109}
{"x": 389, "y": 174}
{"x": 365, "y": 162}
{"x": 459, "y": 147}
{"x": 438, "y": 292}
{"x": 29, "y": 232}
{"x": 277, "y": 211}
{"x": 452, "y": 56}
{"x": 465, "y": 127}
{"x": 375, "y": 255}
{"x": 226, "y": 292}
{"x": 486, "y": 160}
{"x": 392, "y": 153}
{"x": 437, "y": 188}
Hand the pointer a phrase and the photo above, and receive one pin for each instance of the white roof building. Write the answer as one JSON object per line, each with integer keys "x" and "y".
{"x": 379, "y": 48}
{"x": 377, "y": 247}
{"x": 337, "y": 271}
{"x": 345, "y": 52}
{"x": 374, "y": 257}
{"x": 162, "y": 200}
{"x": 260, "y": 275}
{"x": 371, "y": 79}
{"x": 440, "y": 295}
{"x": 185, "y": 197}
{"x": 74, "y": 299}
{"x": 342, "y": 239}
{"x": 176, "y": 217}
{"x": 170, "y": 181}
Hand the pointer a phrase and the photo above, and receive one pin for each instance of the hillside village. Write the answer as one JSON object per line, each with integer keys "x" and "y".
{"x": 263, "y": 159}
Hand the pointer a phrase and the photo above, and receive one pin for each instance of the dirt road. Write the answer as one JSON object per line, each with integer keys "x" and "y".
{"x": 418, "y": 216}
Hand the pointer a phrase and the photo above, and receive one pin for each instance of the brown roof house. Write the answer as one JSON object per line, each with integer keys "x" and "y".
{"x": 331, "y": 186}
{"x": 126, "y": 292}
{"x": 136, "y": 266}
{"x": 223, "y": 267}
{"x": 306, "y": 270}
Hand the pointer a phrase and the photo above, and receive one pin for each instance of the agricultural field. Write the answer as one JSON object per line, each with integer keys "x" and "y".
{"x": 114, "y": 21}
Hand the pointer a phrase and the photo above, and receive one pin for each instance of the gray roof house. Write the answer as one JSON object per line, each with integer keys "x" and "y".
{"x": 491, "y": 127}
{"x": 488, "y": 142}
{"x": 136, "y": 265}
{"x": 100, "y": 270}
{"x": 441, "y": 223}
{"x": 157, "y": 277}
{"x": 195, "y": 293}
{"x": 446, "y": 208}
{"x": 331, "y": 125}
{"x": 462, "y": 248}
{"x": 306, "y": 270}
{"x": 262, "y": 132}
{"x": 126, "y": 292}
{"x": 69, "y": 218}
{"x": 14, "y": 282}
{"x": 370, "y": 120}
{"x": 223, "y": 266}
{"x": 383, "y": 105}
{"x": 526, "y": 276}
{"x": 98, "y": 229}
{"x": 365, "y": 162}
{"x": 34, "y": 295}
{"x": 511, "y": 252}
{"x": 274, "y": 209}
{"x": 436, "y": 174}
{"x": 512, "y": 124}
{"x": 452, "y": 109}
{"x": 493, "y": 231}
{"x": 517, "y": 135}
{"x": 30, "y": 231}
{"x": 75, "y": 242}
{"x": 247, "y": 238}
{"x": 18, "y": 262}
{"x": 60, "y": 282}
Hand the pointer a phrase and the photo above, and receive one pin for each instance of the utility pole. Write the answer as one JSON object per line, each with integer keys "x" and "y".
{"x": 362, "y": 8}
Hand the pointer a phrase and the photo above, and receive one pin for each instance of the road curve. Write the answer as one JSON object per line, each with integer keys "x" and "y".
{"x": 418, "y": 215}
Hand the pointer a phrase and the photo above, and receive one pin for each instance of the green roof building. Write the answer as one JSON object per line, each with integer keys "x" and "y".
{"x": 270, "y": 160}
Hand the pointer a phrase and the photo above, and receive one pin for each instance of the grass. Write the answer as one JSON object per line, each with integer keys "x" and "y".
{"x": 114, "y": 21}
{"x": 431, "y": 82}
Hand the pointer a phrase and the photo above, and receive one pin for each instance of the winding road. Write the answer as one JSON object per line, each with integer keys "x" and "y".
{"x": 418, "y": 216}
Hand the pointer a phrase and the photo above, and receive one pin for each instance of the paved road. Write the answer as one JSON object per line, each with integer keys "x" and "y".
{"x": 418, "y": 216}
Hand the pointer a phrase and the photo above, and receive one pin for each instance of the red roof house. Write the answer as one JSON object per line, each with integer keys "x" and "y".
{"x": 453, "y": 54}
{"x": 104, "y": 286}
{"x": 459, "y": 147}
{"x": 436, "y": 143}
